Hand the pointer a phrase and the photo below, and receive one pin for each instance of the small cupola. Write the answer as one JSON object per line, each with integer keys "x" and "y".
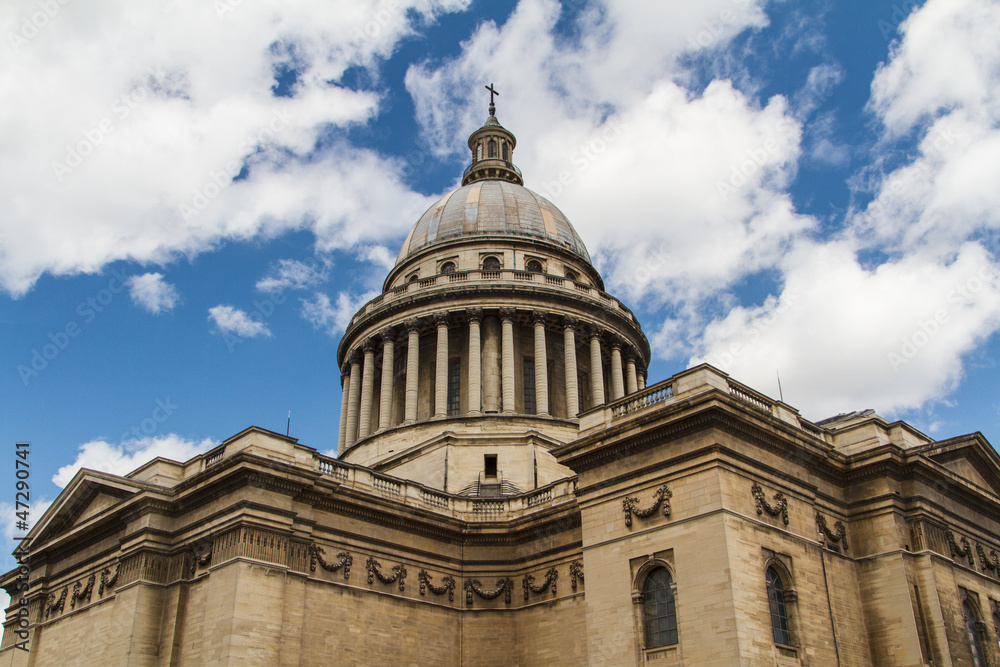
{"x": 492, "y": 148}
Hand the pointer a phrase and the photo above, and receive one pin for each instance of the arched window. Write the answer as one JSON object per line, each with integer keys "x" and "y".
{"x": 572, "y": 275}
{"x": 996, "y": 622}
{"x": 491, "y": 148}
{"x": 413, "y": 278}
{"x": 535, "y": 266}
{"x": 448, "y": 267}
{"x": 505, "y": 154}
{"x": 973, "y": 633}
{"x": 491, "y": 264}
{"x": 659, "y": 613}
{"x": 479, "y": 151}
{"x": 779, "y": 612}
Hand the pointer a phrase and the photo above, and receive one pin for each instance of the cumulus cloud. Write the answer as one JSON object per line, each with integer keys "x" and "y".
{"x": 331, "y": 317}
{"x": 152, "y": 293}
{"x": 124, "y": 457}
{"x": 293, "y": 274}
{"x": 145, "y": 150}
{"x": 230, "y": 320}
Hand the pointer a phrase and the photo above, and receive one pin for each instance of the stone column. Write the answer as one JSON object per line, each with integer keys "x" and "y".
{"x": 617, "y": 381}
{"x": 441, "y": 368}
{"x": 569, "y": 352}
{"x": 631, "y": 382}
{"x": 388, "y": 364}
{"x": 507, "y": 359}
{"x": 475, "y": 362}
{"x": 412, "y": 370}
{"x": 355, "y": 399}
{"x": 491, "y": 363}
{"x": 541, "y": 366}
{"x": 345, "y": 390}
{"x": 596, "y": 369}
{"x": 641, "y": 379}
{"x": 367, "y": 391}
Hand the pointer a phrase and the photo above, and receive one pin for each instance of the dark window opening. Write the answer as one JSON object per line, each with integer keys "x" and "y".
{"x": 491, "y": 148}
{"x": 534, "y": 266}
{"x": 529, "y": 387}
{"x": 572, "y": 275}
{"x": 505, "y": 154}
{"x": 414, "y": 278}
{"x": 491, "y": 264}
{"x": 454, "y": 386}
{"x": 479, "y": 152}
{"x": 490, "y": 465}
{"x": 973, "y": 633}
{"x": 779, "y": 611}
{"x": 448, "y": 267}
{"x": 659, "y": 610}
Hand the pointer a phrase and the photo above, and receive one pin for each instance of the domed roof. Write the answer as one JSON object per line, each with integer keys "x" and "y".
{"x": 492, "y": 208}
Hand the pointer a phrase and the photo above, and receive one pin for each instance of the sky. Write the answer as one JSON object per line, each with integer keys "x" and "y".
{"x": 195, "y": 197}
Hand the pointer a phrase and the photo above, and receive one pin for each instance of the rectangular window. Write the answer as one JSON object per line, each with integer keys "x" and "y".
{"x": 529, "y": 386}
{"x": 490, "y": 463}
{"x": 454, "y": 386}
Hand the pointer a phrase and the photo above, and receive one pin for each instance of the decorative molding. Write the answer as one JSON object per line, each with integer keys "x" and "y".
{"x": 82, "y": 595}
{"x": 504, "y": 585}
{"x": 107, "y": 580}
{"x": 448, "y": 585}
{"x": 575, "y": 573}
{"x": 388, "y": 335}
{"x": 661, "y": 497}
{"x": 344, "y": 560}
{"x": 966, "y": 549}
{"x": 441, "y": 318}
{"x": 837, "y": 536}
{"x": 474, "y": 314}
{"x": 199, "y": 560}
{"x": 412, "y": 324}
{"x": 374, "y": 570}
{"x": 570, "y": 322}
{"x": 507, "y": 314}
{"x": 528, "y": 583}
{"x": 539, "y": 317}
{"x": 780, "y": 503}
{"x": 991, "y": 564}
{"x": 53, "y": 605}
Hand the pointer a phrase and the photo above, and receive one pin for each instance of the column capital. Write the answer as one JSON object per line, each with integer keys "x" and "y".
{"x": 507, "y": 314}
{"x": 369, "y": 345}
{"x": 345, "y": 370}
{"x": 616, "y": 341}
{"x": 539, "y": 316}
{"x": 412, "y": 324}
{"x": 441, "y": 319}
{"x": 570, "y": 322}
{"x": 594, "y": 331}
{"x": 387, "y": 334}
{"x": 474, "y": 314}
{"x": 629, "y": 354}
{"x": 354, "y": 356}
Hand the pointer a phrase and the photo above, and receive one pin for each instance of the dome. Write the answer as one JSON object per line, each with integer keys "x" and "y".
{"x": 492, "y": 208}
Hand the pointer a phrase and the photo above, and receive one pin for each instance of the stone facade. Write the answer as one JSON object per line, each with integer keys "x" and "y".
{"x": 509, "y": 491}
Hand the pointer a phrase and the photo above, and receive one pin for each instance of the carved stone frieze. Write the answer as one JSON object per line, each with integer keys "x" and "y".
{"x": 528, "y": 583}
{"x": 661, "y": 498}
{"x": 835, "y": 538}
{"x": 965, "y": 551}
{"x": 344, "y": 560}
{"x": 108, "y": 580}
{"x": 780, "y": 503}
{"x": 200, "y": 559}
{"x": 82, "y": 592}
{"x": 991, "y": 563}
{"x": 504, "y": 586}
{"x": 575, "y": 573}
{"x": 447, "y": 585}
{"x": 375, "y": 570}
{"x": 54, "y": 604}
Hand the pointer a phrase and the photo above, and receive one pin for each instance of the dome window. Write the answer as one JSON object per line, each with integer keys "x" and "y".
{"x": 491, "y": 148}
{"x": 479, "y": 152}
{"x": 534, "y": 266}
{"x": 572, "y": 275}
{"x": 448, "y": 267}
{"x": 506, "y": 156}
{"x": 491, "y": 264}
{"x": 413, "y": 278}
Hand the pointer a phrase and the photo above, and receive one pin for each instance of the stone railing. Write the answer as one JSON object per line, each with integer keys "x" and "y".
{"x": 418, "y": 495}
{"x": 642, "y": 399}
{"x": 750, "y": 397}
{"x": 446, "y": 281}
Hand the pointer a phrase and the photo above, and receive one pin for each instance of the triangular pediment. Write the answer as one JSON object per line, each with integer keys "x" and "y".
{"x": 970, "y": 457}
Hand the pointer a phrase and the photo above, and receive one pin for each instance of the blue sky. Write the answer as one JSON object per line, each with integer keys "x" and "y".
{"x": 196, "y": 197}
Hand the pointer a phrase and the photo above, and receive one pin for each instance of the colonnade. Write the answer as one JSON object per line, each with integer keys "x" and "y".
{"x": 490, "y": 394}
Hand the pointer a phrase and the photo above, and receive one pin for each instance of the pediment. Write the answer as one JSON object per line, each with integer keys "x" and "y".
{"x": 88, "y": 495}
{"x": 970, "y": 457}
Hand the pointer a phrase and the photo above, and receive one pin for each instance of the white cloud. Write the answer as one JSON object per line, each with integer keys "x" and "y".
{"x": 125, "y": 123}
{"x": 124, "y": 457}
{"x": 230, "y": 320}
{"x": 292, "y": 274}
{"x": 152, "y": 293}
{"x": 378, "y": 255}
{"x": 333, "y": 318}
